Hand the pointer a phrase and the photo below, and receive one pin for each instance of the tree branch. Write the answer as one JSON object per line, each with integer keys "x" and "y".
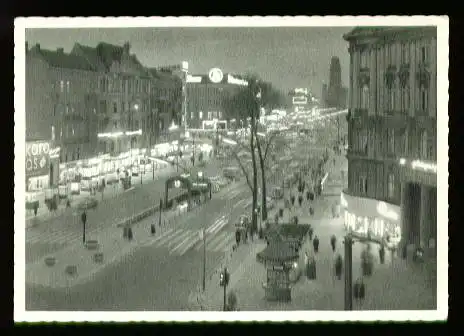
{"x": 247, "y": 177}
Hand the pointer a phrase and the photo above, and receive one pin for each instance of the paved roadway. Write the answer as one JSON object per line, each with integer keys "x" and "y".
{"x": 56, "y": 233}
{"x": 162, "y": 272}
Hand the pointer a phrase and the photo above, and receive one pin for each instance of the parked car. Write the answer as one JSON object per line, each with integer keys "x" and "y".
{"x": 87, "y": 203}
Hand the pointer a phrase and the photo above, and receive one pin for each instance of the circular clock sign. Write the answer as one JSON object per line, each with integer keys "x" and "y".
{"x": 215, "y": 75}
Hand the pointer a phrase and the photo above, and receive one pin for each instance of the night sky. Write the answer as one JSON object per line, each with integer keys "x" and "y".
{"x": 288, "y": 57}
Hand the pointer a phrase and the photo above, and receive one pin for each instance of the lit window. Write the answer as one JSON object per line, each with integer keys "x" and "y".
{"x": 200, "y": 115}
{"x": 62, "y": 86}
{"x": 67, "y": 86}
{"x": 424, "y": 54}
{"x": 362, "y": 184}
{"x": 390, "y": 141}
{"x": 424, "y": 99}
{"x": 391, "y": 186}
{"x": 391, "y": 99}
{"x": 365, "y": 97}
{"x": 67, "y": 109}
{"x": 405, "y": 99}
{"x": 192, "y": 115}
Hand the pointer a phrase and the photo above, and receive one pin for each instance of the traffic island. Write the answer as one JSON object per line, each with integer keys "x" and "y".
{"x": 91, "y": 245}
{"x": 50, "y": 261}
{"x": 71, "y": 270}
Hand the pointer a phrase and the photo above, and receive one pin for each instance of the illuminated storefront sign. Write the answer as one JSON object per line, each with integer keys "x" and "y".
{"x": 194, "y": 79}
{"x": 119, "y": 134}
{"x": 199, "y": 185}
{"x": 37, "y": 158}
{"x": 368, "y": 217}
{"x": 430, "y": 167}
{"x": 185, "y": 66}
{"x": 300, "y": 90}
{"x": 215, "y": 75}
{"x": 232, "y": 80}
{"x": 299, "y": 100}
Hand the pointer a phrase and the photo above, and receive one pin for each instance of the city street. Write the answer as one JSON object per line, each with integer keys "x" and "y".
{"x": 174, "y": 253}
{"x": 56, "y": 233}
{"x": 175, "y": 256}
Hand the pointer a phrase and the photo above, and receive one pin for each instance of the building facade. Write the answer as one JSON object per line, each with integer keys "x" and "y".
{"x": 61, "y": 106}
{"x": 207, "y": 97}
{"x": 392, "y": 135}
{"x": 93, "y": 112}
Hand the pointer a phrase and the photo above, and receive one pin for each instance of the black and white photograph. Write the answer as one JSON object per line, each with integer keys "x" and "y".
{"x": 239, "y": 168}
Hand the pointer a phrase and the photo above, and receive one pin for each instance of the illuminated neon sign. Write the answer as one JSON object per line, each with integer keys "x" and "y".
{"x": 299, "y": 100}
{"x": 232, "y": 80}
{"x": 383, "y": 210}
{"x": 421, "y": 165}
{"x": 194, "y": 79}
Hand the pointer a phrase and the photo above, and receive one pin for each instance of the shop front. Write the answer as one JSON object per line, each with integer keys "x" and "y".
{"x": 37, "y": 166}
{"x": 419, "y": 204}
{"x": 371, "y": 219}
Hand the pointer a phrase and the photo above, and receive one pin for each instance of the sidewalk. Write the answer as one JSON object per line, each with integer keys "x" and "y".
{"x": 394, "y": 285}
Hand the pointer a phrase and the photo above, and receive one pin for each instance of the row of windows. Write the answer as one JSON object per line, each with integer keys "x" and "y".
{"x": 391, "y": 98}
{"x": 389, "y": 54}
{"x": 71, "y": 156}
{"x": 74, "y": 130}
{"x": 211, "y": 115}
{"x": 107, "y": 84}
{"x": 394, "y": 143}
{"x": 373, "y": 180}
{"x": 70, "y": 109}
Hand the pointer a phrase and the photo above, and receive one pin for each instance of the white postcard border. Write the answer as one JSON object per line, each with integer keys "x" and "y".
{"x": 20, "y": 314}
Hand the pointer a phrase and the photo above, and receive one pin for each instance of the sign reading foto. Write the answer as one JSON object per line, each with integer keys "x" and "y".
{"x": 37, "y": 158}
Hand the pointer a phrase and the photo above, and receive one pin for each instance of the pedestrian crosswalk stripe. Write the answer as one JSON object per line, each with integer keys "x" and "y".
{"x": 224, "y": 245}
{"x": 167, "y": 238}
{"x": 216, "y": 241}
{"x": 216, "y": 223}
{"x": 178, "y": 238}
{"x": 195, "y": 238}
{"x": 187, "y": 238}
{"x": 163, "y": 235}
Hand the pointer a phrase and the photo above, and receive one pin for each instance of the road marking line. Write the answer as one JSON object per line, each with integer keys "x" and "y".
{"x": 226, "y": 245}
{"x": 218, "y": 240}
{"x": 216, "y": 223}
{"x": 162, "y": 235}
{"x": 175, "y": 240}
{"x": 218, "y": 227}
{"x": 168, "y": 237}
{"x": 190, "y": 237}
{"x": 192, "y": 242}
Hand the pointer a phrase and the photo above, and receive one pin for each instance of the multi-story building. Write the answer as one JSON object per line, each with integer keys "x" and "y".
{"x": 392, "y": 182}
{"x": 61, "y": 106}
{"x": 207, "y": 99}
{"x": 335, "y": 94}
{"x": 166, "y": 104}
{"x": 91, "y": 113}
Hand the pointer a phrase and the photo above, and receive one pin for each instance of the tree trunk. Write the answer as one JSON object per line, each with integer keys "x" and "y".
{"x": 263, "y": 181}
{"x": 254, "y": 219}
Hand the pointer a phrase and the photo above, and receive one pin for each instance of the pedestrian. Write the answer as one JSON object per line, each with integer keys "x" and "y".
{"x": 311, "y": 231}
{"x": 292, "y": 200}
{"x": 307, "y": 195}
{"x": 153, "y": 229}
{"x": 300, "y": 200}
{"x": 316, "y": 244}
{"x": 311, "y": 210}
{"x": 333, "y": 242}
{"x": 338, "y": 267}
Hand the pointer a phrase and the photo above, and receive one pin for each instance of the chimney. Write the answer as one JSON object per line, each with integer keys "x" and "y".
{"x": 60, "y": 50}
{"x": 37, "y": 45}
{"x": 126, "y": 48}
